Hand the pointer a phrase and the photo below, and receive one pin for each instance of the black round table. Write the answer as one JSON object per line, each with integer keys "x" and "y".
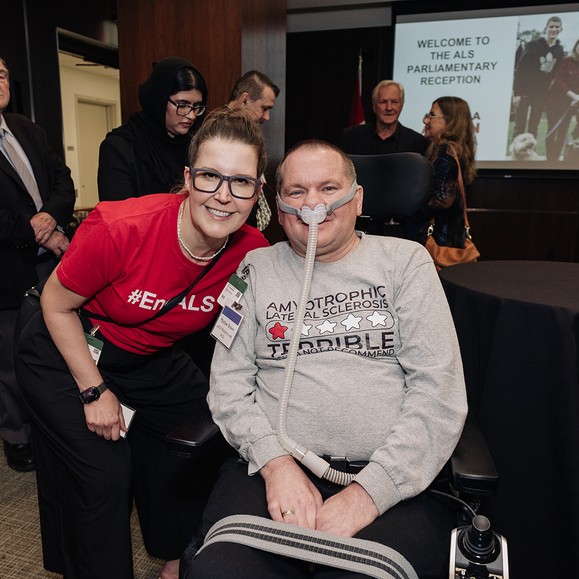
{"x": 518, "y": 328}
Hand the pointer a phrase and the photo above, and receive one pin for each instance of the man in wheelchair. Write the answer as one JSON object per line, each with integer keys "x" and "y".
{"x": 377, "y": 392}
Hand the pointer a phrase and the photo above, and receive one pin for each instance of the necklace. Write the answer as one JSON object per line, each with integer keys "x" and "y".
{"x": 196, "y": 257}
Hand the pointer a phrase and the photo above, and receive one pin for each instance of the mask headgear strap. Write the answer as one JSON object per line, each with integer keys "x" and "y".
{"x": 320, "y": 211}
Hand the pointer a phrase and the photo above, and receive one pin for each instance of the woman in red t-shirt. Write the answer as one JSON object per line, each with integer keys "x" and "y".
{"x": 127, "y": 260}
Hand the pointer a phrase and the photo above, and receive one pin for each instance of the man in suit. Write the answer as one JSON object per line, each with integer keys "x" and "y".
{"x": 36, "y": 202}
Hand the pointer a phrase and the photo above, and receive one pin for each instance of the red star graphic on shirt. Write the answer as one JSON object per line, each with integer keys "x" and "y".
{"x": 278, "y": 331}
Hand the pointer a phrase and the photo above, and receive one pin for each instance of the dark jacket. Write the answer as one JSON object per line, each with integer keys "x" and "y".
{"x": 536, "y": 67}
{"x": 18, "y": 249}
{"x": 445, "y": 202}
{"x": 363, "y": 140}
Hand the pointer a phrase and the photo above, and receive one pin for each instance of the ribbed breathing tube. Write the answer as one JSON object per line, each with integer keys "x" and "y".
{"x": 309, "y": 459}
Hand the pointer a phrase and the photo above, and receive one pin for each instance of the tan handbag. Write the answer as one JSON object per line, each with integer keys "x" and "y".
{"x": 446, "y": 256}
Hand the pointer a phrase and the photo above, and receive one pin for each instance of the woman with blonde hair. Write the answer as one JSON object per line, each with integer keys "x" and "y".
{"x": 450, "y": 129}
{"x": 140, "y": 274}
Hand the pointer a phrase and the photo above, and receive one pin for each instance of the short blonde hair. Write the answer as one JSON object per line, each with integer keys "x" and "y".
{"x": 385, "y": 83}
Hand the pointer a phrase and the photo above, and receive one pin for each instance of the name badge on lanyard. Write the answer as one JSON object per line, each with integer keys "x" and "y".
{"x": 232, "y": 292}
{"x": 95, "y": 346}
{"x": 231, "y": 316}
{"x": 227, "y": 325}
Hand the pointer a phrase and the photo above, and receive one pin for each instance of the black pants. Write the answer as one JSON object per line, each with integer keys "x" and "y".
{"x": 559, "y": 121}
{"x": 86, "y": 484}
{"x": 14, "y": 416}
{"x": 419, "y": 529}
{"x": 528, "y": 114}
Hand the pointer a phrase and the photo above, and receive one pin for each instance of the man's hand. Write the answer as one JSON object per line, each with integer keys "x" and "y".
{"x": 289, "y": 489}
{"x": 57, "y": 243}
{"x": 347, "y": 512}
{"x": 516, "y": 101}
{"x": 105, "y": 416}
{"x": 43, "y": 225}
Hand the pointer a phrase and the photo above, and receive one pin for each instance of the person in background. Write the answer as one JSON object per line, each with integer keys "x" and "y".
{"x": 375, "y": 309}
{"x": 449, "y": 127}
{"x": 256, "y": 93}
{"x": 387, "y": 134}
{"x": 36, "y": 204}
{"x": 533, "y": 76}
{"x": 147, "y": 153}
{"x": 562, "y": 103}
{"x": 127, "y": 259}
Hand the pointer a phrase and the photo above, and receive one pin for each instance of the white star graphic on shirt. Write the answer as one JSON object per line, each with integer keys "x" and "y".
{"x": 327, "y": 326}
{"x": 351, "y": 321}
{"x": 377, "y": 319}
{"x": 306, "y": 329}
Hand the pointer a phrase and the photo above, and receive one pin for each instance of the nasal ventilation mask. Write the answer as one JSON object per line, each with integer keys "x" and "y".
{"x": 309, "y": 459}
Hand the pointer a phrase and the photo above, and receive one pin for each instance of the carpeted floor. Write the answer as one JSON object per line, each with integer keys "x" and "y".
{"x": 20, "y": 548}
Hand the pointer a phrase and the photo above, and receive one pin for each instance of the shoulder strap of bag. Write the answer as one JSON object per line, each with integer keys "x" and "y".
{"x": 169, "y": 305}
{"x": 462, "y": 195}
{"x": 460, "y": 186}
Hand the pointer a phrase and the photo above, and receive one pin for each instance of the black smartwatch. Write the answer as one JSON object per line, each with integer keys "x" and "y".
{"x": 93, "y": 393}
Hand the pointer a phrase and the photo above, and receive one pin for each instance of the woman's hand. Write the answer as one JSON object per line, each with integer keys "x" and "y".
{"x": 290, "y": 491}
{"x": 105, "y": 416}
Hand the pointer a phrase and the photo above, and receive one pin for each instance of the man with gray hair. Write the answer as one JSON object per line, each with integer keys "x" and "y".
{"x": 387, "y": 134}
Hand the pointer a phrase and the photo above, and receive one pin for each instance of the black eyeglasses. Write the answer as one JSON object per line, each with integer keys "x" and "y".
{"x": 183, "y": 110}
{"x": 431, "y": 116}
{"x": 240, "y": 186}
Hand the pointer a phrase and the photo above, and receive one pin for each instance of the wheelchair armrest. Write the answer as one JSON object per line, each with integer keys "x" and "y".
{"x": 195, "y": 437}
{"x": 473, "y": 468}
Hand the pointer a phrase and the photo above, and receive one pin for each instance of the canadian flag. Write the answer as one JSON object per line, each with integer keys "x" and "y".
{"x": 357, "y": 112}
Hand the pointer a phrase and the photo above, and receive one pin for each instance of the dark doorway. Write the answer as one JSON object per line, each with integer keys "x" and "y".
{"x": 322, "y": 70}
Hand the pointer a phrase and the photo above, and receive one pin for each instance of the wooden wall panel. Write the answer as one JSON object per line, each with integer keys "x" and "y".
{"x": 223, "y": 39}
{"x": 263, "y": 47}
{"x": 209, "y": 34}
{"x": 206, "y": 33}
{"x": 525, "y": 218}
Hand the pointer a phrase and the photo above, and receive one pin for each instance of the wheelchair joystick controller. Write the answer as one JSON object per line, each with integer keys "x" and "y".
{"x": 476, "y": 552}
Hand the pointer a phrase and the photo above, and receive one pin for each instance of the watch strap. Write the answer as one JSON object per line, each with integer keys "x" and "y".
{"x": 88, "y": 394}
{"x": 102, "y": 387}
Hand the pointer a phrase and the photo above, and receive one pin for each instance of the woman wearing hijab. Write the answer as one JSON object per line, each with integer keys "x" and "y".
{"x": 147, "y": 154}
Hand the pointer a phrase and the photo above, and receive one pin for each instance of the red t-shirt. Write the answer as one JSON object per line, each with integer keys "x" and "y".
{"x": 125, "y": 257}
